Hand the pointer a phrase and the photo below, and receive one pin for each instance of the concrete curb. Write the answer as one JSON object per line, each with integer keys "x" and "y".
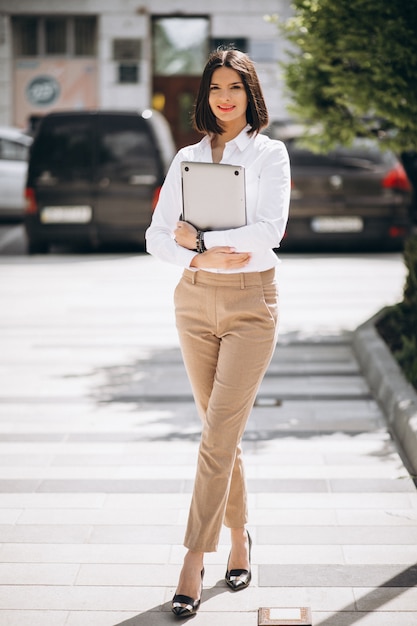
{"x": 397, "y": 397}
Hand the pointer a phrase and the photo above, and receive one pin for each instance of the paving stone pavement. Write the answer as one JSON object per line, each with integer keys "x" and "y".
{"x": 96, "y": 471}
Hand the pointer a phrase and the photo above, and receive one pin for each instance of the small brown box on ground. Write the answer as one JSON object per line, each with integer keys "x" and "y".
{"x": 285, "y": 616}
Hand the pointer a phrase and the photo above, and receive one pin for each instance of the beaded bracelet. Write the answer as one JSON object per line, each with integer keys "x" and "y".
{"x": 200, "y": 247}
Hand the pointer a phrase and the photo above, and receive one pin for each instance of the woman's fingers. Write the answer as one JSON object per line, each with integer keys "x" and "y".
{"x": 185, "y": 235}
{"x": 221, "y": 257}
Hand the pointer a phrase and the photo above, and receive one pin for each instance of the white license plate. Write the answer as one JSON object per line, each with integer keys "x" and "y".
{"x": 329, "y": 224}
{"x": 66, "y": 214}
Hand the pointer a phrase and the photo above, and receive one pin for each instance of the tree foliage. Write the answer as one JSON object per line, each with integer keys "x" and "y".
{"x": 352, "y": 68}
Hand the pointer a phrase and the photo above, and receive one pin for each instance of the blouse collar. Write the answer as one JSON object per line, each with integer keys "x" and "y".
{"x": 241, "y": 140}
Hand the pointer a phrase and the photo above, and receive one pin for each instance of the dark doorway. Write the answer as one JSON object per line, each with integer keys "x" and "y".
{"x": 180, "y": 50}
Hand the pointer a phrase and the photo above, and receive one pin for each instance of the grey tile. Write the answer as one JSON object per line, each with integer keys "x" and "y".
{"x": 344, "y": 387}
{"x": 371, "y": 485}
{"x": 270, "y": 485}
{"x": 392, "y": 599}
{"x": 337, "y": 576}
{"x": 128, "y": 575}
{"x": 377, "y": 618}
{"x": 381, "y": 555}
{"x": 153, "y": 458}
{"x": 137, "y": 535}
{"x": 31, "y": 437}
{"x": 339, "y": 535}
{"x": 38, "y": 573}
{"x": 160, "y": 486}
{"x": 158, "y": 617}
{"x": 44, "y": 534}
{"x": 373, "y": 517}
{"x": 26, "y": 460}
{"x": 33, "y": 618}
{"x": 9, "y": 516}
{"x": 121, "y": 618}
{"x": 367, "y": 503}
{"x": 77, "y": 598}
{"x": 114, "y": 486}
{"x": 299, "y": 554}
{"x": 52, "y": 500}
{"x": 19, "y": 486}
{"x": 85, "y": 553}
{"x": 99, "y": 516}
{"x": 377, "y": 458}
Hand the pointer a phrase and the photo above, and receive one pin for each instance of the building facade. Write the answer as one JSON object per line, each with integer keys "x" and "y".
{"x": 128, "y": 54}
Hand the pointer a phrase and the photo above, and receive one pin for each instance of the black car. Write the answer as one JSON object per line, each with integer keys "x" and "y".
{"x": 94, "y": 177}
{"x": 349, "y": 198}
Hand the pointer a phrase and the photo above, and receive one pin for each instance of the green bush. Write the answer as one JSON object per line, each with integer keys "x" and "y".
{"x": 399, "y": 326}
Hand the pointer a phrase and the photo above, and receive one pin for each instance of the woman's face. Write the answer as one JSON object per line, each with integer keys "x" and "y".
{"x": 227, "y": 97}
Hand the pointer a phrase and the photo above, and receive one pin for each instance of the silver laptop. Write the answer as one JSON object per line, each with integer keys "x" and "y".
{"x": 213, "y": 195}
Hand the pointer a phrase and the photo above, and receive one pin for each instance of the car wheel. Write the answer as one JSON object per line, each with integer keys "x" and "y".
{"x": 37, "y": 246}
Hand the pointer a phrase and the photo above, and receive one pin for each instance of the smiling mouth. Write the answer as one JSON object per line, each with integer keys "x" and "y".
{"x": 226, "y": 108}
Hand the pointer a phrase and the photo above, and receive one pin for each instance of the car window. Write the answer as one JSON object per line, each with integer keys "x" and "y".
{"x": 364, "y": 152}
{"x": 361, "y": 155}
{"x": 64, "y": 148}
{"x": 126, "y": 148}
{"x": 302, "y": 157}
{"x": 13, "y": 150}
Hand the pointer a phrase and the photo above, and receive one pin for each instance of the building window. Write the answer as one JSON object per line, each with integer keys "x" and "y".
{"x": 128, "y": 73}
{"x": 127, "y": 52}
{"x": 85, "y": 36}
{"x": 52, "y": 36}
{"x": 127, "y": 49}
{"x": 25, "y": 36}
{"x": 239, "y": 43}
{"x": 55, "y": 35}
{"x": 180, "y": 45}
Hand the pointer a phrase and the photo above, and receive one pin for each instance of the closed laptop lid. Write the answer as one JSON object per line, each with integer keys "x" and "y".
{"x": 214, "y": 195}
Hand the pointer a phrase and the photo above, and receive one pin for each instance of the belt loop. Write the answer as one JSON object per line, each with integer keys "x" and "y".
{"x": 242, "y": 280}
{"x": 193, "y": 277}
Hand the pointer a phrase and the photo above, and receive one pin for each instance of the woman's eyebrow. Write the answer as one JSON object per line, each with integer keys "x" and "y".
{"x": 237, "y": 82}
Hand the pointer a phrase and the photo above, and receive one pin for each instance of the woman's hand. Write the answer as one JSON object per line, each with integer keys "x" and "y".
{"x": 185, "y": 235}
{"x": 221, "y": 258}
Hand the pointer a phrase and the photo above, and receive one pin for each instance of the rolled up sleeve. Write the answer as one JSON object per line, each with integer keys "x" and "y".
{"x": 160, "y": 240}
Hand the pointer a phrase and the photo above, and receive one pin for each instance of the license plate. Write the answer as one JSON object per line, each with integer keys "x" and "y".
{"x": 329, "y": 224}
{"x": 66, "y": 214}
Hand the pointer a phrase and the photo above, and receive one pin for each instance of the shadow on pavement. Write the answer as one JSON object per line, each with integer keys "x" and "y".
{"x": 368, "y": 603}
{"x": 375, "y": 599}
{"x": 162, "y": 614}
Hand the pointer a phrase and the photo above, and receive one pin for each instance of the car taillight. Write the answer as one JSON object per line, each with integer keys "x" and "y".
{"x": 397, "y": 231}
{"x": 155, "y": 197}
{"x": 397, "y": 179}
{"x": 30, "y": 201}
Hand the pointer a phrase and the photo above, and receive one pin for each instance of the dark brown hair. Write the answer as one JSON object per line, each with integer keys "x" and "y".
{"x": 204, "y": 119}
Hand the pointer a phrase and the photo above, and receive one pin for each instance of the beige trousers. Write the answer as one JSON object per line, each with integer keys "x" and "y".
{"x": 227, "y": 325}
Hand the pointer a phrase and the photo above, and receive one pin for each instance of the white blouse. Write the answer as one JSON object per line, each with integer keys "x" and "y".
{"x": 268, "y": 183}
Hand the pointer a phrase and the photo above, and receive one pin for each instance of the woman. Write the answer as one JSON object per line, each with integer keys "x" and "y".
{"x": 226, "y": 306}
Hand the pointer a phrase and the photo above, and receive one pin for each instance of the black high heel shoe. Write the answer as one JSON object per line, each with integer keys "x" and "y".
{"x": 184, "y": 606}
{"x": 238, "y": 579}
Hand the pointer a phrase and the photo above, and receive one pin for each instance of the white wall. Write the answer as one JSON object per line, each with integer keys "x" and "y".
{"x": 112, "y": 94}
